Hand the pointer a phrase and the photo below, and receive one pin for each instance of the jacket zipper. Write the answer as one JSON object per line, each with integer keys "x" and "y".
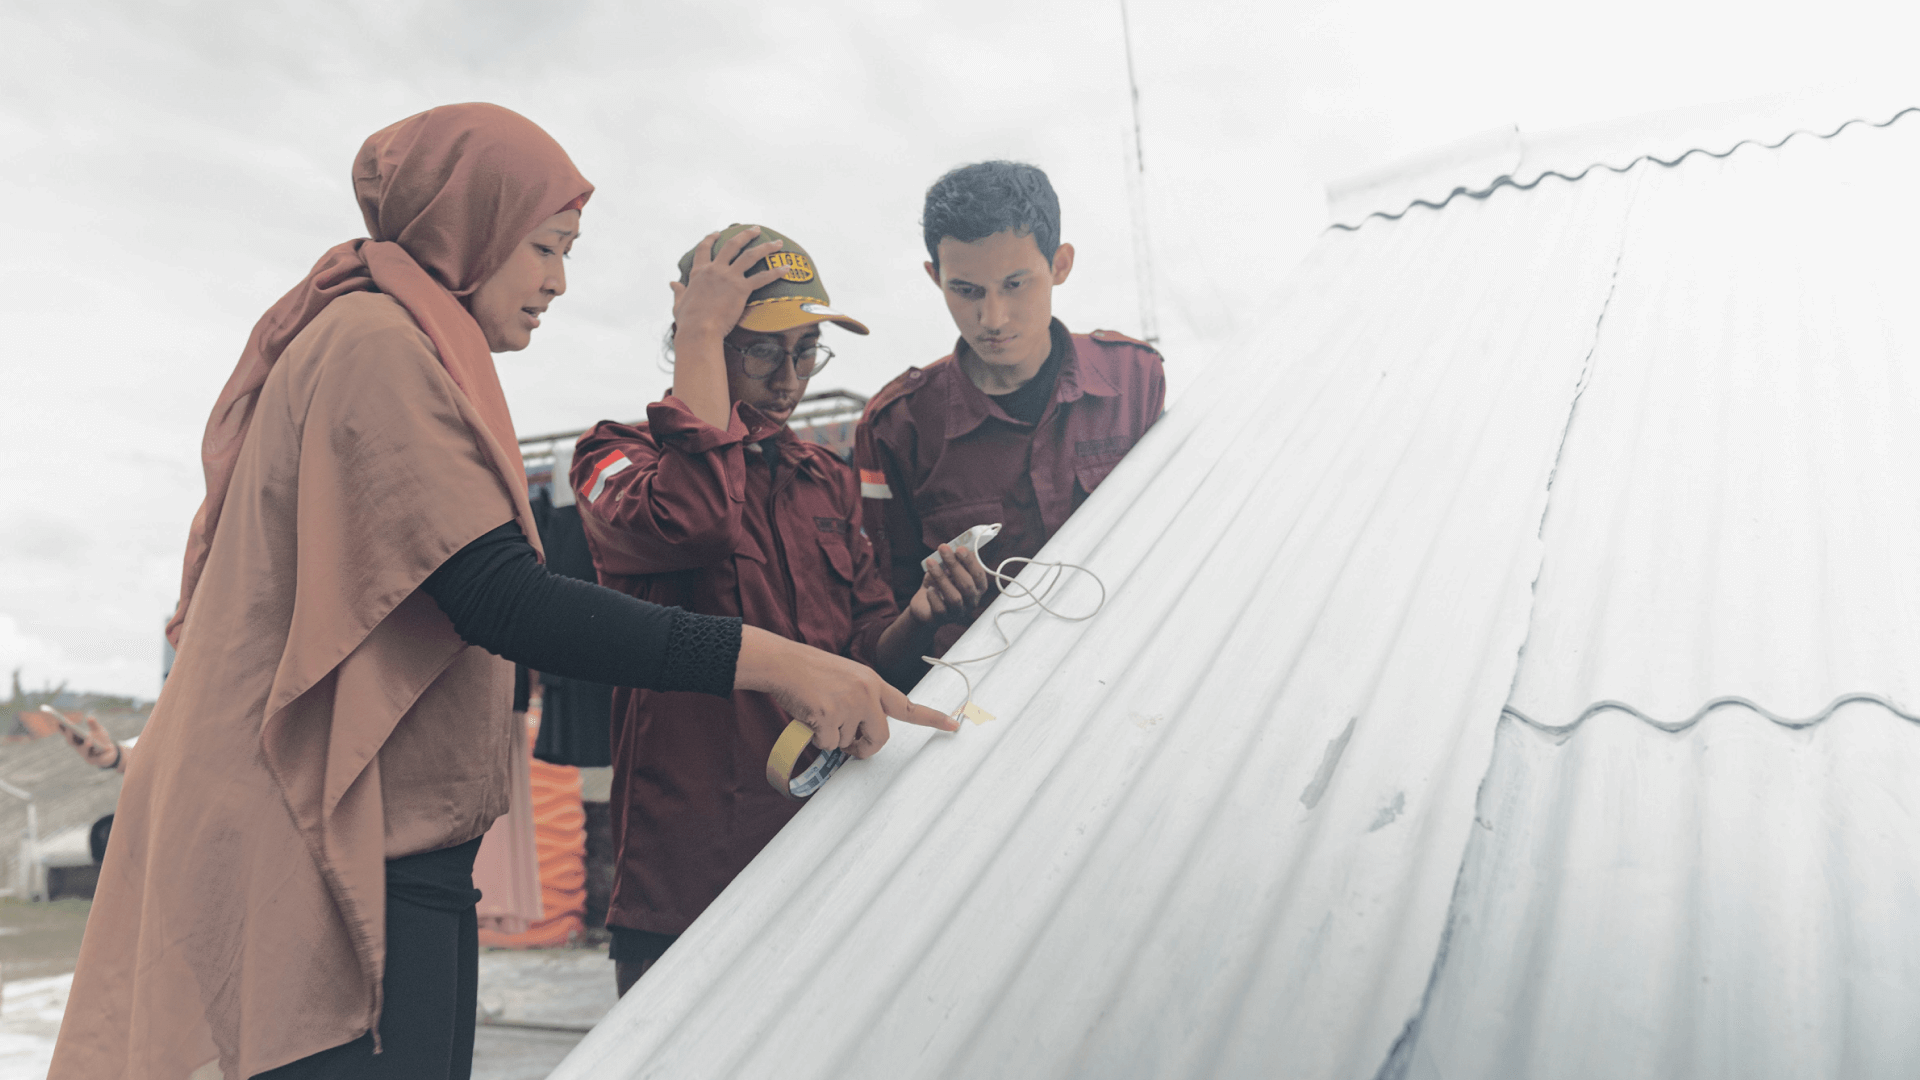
{"x": 775, "y": 483}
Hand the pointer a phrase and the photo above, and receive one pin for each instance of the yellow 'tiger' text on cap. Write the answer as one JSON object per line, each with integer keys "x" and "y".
{"x": 797, "y": 266}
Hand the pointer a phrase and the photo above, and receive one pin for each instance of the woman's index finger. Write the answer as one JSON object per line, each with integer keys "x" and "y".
{"x": 897, "y": 705}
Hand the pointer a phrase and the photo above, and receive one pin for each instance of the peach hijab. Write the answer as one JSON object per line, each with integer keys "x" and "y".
{"x": 362, "y": 439}
{"x": 446, "y": 194}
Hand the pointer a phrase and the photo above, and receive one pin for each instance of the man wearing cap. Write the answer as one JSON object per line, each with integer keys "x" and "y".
{"x": 1023, "y": 420}
{"x": 714, "y": 506}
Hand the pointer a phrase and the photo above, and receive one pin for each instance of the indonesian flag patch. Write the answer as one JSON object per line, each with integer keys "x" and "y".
{"x": 873, "y": 485}
{"x": 610, "y": 466}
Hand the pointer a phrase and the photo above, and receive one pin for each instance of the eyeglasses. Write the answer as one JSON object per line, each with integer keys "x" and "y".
{"x": 762, "y": 358}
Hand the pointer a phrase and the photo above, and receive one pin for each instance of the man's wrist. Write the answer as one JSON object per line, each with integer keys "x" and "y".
{"x": 915, "y": 620}
{"x": 695, "y": 335}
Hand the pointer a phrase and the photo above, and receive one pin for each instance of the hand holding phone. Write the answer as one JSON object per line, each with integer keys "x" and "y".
{"x": 972, "y": 540}
{"x": 103, "y": 753}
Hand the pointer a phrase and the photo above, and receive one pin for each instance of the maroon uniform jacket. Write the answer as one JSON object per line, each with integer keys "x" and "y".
{"x": 753, "y": 522}
{"x": 938, "y": 456}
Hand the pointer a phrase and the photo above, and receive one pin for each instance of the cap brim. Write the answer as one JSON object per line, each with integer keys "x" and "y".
{"x": 787, "y": 312}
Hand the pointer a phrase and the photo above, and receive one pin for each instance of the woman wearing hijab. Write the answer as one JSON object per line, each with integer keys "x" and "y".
{"x": 287, "y": 891}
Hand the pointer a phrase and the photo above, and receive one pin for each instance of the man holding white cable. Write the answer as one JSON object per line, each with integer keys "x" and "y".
{"x": 1019, "y": 424}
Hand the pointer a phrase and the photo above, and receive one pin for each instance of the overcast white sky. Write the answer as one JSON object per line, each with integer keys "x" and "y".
{"x": 172, "y": 168}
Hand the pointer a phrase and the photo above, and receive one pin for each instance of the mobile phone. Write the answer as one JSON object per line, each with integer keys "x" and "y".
{"x": 973, "y": 540}
{"x": 66, "y": 723}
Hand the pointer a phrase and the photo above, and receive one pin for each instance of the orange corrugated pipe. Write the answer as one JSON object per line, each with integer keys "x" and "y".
{"x": 560, "y": 841}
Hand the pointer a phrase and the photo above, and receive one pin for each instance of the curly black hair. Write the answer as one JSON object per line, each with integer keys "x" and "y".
{"x": 975, "y": 201}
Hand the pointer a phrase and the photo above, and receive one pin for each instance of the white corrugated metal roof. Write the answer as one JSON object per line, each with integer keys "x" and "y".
{"x": 1735, "y": 516}
{"x": 1265, "y": 815}
{"x": 1736, "y": 901}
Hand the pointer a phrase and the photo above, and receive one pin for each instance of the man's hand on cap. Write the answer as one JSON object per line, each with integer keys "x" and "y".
{"x": 715, "y": 293}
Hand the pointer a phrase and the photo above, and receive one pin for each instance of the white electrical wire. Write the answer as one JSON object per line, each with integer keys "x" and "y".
{"x": 1036, "y": 598}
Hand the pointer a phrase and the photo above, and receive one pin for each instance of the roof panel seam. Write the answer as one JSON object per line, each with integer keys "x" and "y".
{"x": 1399, "y": 1057}
{"x": 1566, "y": 429}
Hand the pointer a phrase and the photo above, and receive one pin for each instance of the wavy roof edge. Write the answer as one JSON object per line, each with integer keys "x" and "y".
{"x": 1727, "y": 701}
{"x": 1477, "y": 166}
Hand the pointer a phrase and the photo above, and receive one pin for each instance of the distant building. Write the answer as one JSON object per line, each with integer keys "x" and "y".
{"x": 30, "y": 725}
{"x": 68, "y": 796}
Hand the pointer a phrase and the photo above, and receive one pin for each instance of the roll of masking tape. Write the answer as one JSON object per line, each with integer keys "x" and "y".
{"x": 786, "y": 752}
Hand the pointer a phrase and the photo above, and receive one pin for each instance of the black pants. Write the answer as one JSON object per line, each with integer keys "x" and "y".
{"x": 633, "y": 952}
{"x": 431, "y": 982}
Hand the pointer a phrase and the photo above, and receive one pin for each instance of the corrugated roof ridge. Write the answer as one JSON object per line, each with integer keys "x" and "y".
{"x": 1722, "y": 702}
{"x": 1507, "y": 180}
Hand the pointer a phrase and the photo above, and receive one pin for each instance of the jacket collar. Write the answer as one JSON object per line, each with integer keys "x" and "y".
{"x": 762, "y": 433}
{"x": 760, "y": 428}
{"x": 968, "y": 406}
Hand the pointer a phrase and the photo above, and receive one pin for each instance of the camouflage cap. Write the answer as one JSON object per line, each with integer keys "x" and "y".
{"x": 797, "y": 298}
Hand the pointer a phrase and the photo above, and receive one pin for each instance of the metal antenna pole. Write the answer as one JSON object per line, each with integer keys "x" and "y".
{"x": 1137, "y": 194}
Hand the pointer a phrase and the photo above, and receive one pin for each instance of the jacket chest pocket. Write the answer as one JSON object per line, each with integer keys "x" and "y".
{"x": 823, "y": 589}
{"x": 1094, "y": 456}
{"x": 1088, "y": 473}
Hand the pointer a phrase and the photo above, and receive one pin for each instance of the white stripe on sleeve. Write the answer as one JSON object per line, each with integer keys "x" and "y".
{"x": 607, "y": 471}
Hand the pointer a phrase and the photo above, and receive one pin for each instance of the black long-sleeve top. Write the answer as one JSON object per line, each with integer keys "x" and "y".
{"x": 501, "y": 599}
